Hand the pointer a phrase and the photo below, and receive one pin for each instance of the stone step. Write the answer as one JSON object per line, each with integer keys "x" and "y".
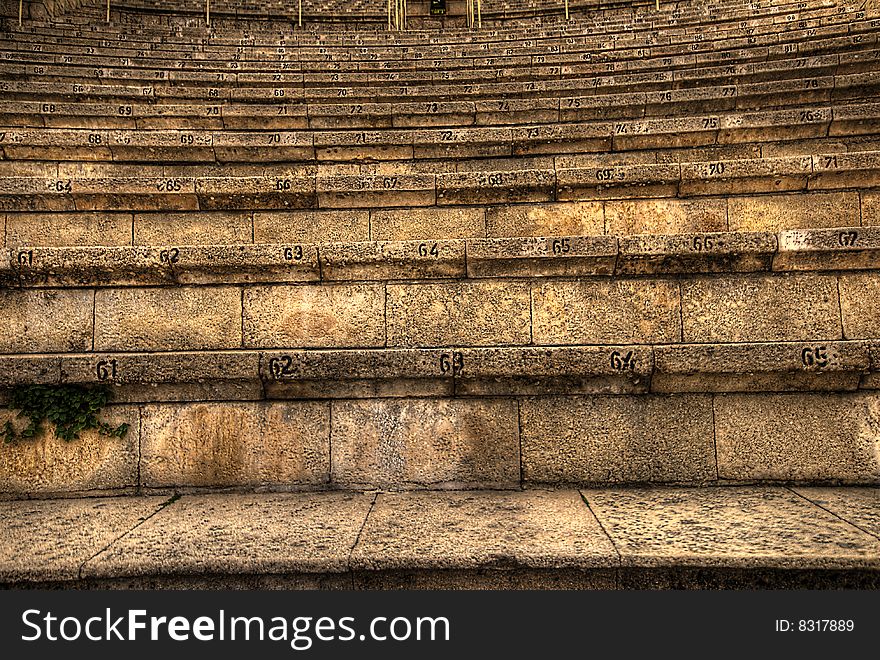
{"x": 842, "y": 249}
{"x": 458, "y": 371}
{"x": 671, "y": 135}
{"x": 301, "y": 188}
{"x": 732, "y": 537}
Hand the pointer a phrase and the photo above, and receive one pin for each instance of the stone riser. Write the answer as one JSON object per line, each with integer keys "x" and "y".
{"x": 474, "y": 442}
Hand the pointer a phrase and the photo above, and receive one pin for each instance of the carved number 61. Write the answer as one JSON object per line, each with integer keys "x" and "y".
{"x": 106, "y": 369}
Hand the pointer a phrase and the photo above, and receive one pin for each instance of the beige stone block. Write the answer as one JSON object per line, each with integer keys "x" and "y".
{"x": 166, "y": 319}
{"x": 606, "y": 312}
{"x": 259, "y": 540}
{"x": 415, "y": 224}
{"x": 311, "y": 226}
{"x": 60, "y": 229}
{"x": 475, "y": 314}
{"x": 799, "y": 437}
{"x": 314, "y": 316}
{"x": 860, "y": 305}
{"x": 47, "y": 539}
{"x": 564, "y": 219}
{"x": 46, "y": 321}
{"x": 760, "y": 308}
{"x": 601, "y": 439}
{"x": 665, "y": 216}
{"x": 798, "y": 211}
{"x": 460, "y": 530}
{"x": 236, "y": 444}
{"x": 752, "y": 529}
{"x": 870, "y": 207}
{"x": 398, "y": 443}
{"x": 46, "y": 464}
{"x": 191, "y": 228}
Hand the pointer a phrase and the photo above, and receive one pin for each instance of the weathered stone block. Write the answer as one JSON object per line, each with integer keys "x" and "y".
{"x": 798, "y": 437}
{"x": 850, "y": 248}
{"x": 166, "y": 319}
{"x": 415, "y": 224}
{"x": 601, "y": 439}
{"x": 314, "y": 316}
{"x": 760, "y": 308}
{"x": 483, "y": 313}
{"x": 860, "y": 305}
{"x": 311, "y": 226}
{"x": 696, "y": 253}
{"x": 235, "y": 444}
{"x": 46, "y": 321}
{"x": 191, "y": 228}
{"x": 541, "y": 257}
{"x": 46, "y": 464}
{"x": 68, "y": 229}
{"x": 568, "y": 219}
{"x": 664, "y": 216}
{"x": 395, "y": 443}
{"x": 606, "y": 312}
{"x": 798, "y": 211}
{"x": 392, "y": 260}
{"x": 781, "y": 367}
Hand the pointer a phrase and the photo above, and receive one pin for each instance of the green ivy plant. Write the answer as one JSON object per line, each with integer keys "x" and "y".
{"x": 71, "y": 408}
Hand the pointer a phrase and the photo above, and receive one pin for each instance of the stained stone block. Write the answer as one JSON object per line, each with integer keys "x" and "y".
{"x": 618, "y": 181}
{"x": 798, "y": 437}
{"x": 606, "y": 312}
{"x": 480, "y": 313}
{"x": 870, "y": 207}
{"x": 203, "y": 318}
{"x": 566, "y": 219}
{"x": 249, "y": 535}
{"x": 846, "y": 170}
{"x": 664, "y": 216}
{"x": 760, "y": 308}
{"x": 46, "y": 321}
{"x": 314, "y": 316}
{"x": 601, "y": 439}
{"x": 799, "y": 211}
{"x": 284, "y": 191}
{"x": 860, "y": 305}
{"x": 48, "y": 465}
{"x": 282, "y": 445}
{"x": 90, "y": 266}
{"x": 696, "y": 253}
{"x": 400, "y": 443}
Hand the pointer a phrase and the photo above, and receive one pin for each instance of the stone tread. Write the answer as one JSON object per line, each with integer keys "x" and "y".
{"x": 597, "y": 538}
{"x": 297, "y": 373}
{"x": 839, "y": 249}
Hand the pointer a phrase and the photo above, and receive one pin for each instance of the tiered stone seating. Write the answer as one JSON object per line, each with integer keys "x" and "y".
{"x": 637, "y": 248}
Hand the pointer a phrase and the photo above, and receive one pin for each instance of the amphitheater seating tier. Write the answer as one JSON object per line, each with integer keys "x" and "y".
{"x": 549, "y": 275}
